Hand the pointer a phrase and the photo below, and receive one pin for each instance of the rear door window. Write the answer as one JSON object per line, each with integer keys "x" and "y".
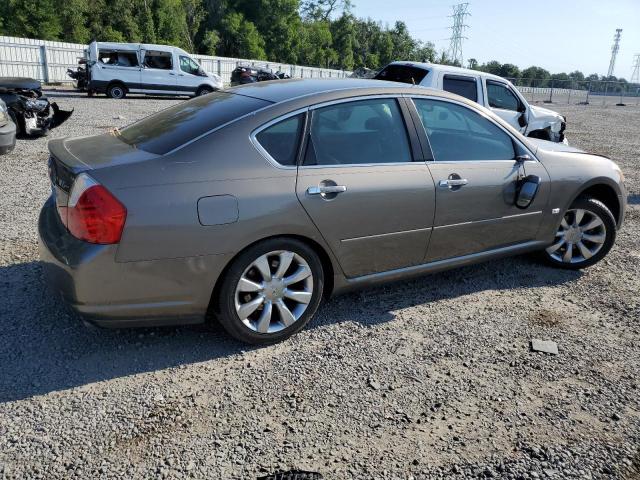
{"x": 281, "y": 140}
{"x": 403, "y": 74}
{"x": 466, "y": 87}
{"x": 364, "y": 131}
{"x": 177, "y": 125}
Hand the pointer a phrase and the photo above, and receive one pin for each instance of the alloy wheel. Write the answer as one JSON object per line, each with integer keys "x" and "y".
{"x": 274, "y": 291}
{"x": 581, "y": 235}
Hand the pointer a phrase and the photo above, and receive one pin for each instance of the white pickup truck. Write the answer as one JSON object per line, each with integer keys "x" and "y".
{"x": 491, "y": 91}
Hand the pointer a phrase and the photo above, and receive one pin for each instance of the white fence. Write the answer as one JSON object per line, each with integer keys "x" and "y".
{"x": 48, "y": 62}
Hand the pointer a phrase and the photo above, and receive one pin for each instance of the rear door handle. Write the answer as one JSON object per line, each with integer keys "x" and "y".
{"x": 324, "y": 189}
{"x": 453, "y": 182}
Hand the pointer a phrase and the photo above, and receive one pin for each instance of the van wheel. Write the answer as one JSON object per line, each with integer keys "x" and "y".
{"x": 203, "y": 91}
{"x": 116, "y": 91}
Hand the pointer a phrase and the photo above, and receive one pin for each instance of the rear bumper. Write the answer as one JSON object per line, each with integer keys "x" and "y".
{"x": 7, "y": 138}
{"x": 123, "y": 294}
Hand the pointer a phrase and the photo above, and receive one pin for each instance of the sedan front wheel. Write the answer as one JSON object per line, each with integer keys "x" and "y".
{"x": 585, "y": 235}
{"x": 271, "y": 291}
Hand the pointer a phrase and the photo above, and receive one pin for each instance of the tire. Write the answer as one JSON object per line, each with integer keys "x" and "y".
{"x": 270, "y": 313}
{"x": 203, "y": 91}
{"x": 591, "y": 240}
{"x": 117, "y": 91}
{"x": 19, "y": 124}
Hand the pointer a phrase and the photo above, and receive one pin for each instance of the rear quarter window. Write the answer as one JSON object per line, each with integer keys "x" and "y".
{"x": 403, "y": 74}
{"x": 171, "y": 128}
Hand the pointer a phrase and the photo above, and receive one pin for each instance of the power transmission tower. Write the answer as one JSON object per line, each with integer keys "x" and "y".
{"x": 460, "y": 11}
{"x": 635, "y": 76}
{"x": 614, "y": 51}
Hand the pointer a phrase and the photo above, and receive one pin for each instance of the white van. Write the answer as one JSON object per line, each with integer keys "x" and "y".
{"x": 491, "y": 91}
{"x": 120, "y": 68}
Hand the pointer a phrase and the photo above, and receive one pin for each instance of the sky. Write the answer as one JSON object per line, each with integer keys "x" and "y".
{"x": 559, "y": 35}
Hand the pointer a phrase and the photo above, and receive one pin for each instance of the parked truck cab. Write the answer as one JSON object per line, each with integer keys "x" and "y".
{"x": 490, "y": 91}
{"x": 120, "y": 68}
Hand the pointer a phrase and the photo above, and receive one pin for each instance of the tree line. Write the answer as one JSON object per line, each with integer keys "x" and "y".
{"x": 320, "y": 33}
{"x": 539, "y": 77}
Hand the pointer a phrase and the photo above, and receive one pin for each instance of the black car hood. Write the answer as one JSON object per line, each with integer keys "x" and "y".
{"x": 20, "y": 83}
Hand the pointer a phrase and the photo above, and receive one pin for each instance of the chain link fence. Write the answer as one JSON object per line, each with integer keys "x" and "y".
{"x": 48, "y": 62}
{"x": 578, "y": 92}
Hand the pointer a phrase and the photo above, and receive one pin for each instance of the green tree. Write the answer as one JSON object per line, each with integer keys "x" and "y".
{"x": 32, "y": 19}
{"x": 343, "y": 36}
{"x": 240, "y": 38}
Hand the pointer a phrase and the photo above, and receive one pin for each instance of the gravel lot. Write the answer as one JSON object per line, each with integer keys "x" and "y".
{"x": 425, "y": 379}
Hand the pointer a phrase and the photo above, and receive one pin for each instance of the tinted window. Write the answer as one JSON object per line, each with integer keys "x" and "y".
{"x": 500, "y": 96}
{"x": 188, "y": 65}
{"x": 175, "y": 126}
{"x": 464, "y": 86}
{"x": 161, "y": 60}
{"x": 402, "y": 73}
{"x": 366, "y": 131}
{"x": 281, "y": 140}
{"x": 458, "y": 133}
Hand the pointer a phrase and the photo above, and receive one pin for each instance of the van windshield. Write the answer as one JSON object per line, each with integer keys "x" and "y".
{"x": 166, "y": 130}
{"x": 402, "y": 73}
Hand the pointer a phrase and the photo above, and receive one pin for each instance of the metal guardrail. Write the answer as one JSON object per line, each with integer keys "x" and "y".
{"x": 48, "y": 61}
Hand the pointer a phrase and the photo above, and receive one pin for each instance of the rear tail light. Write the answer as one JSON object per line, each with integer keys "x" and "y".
{"x": 93, "y": 214}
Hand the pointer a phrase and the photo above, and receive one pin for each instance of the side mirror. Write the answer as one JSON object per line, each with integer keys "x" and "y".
{"x": 527, "y": 190}
{"x": 522, "y": 119}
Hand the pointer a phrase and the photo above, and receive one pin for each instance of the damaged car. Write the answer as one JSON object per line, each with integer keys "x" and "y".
{"x": 491, "y": 91}
{"x": 7, "y": 130}
{"x": 32, "y": 113}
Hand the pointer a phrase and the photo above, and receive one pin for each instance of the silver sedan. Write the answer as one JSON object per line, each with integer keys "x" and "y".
{"x": 256, "y": 202}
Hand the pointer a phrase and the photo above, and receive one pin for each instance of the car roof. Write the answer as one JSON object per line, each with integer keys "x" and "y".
{"x": 449, "y": 68}
{"x": 136, "y": 46}
{"x": 277, "y": 91}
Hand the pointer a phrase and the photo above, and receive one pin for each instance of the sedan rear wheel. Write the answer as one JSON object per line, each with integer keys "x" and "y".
{"x": 271, "y": 291}
{"x": 585, "y": 235}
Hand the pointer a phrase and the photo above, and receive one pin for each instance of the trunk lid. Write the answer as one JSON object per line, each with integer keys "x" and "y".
{"x": 92, "y": 153}
{"x": 71, "y": 156}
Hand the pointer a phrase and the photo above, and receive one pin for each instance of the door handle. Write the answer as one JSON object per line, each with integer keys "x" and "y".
{"x": 324, "y": 189}
{"x": 171, "y": 73}
{"x": 453, "y": 182}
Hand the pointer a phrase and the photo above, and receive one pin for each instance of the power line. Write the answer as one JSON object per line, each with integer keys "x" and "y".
{"x": 455, "y": 47}
{"x": 614, "y": 51}
{"x": 635, "y": 76}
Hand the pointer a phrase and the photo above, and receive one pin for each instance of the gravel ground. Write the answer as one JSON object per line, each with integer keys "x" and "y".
{"x": 425, "y": 379}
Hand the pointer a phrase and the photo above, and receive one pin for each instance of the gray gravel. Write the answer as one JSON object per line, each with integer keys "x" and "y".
{"x": 426, "y": 379}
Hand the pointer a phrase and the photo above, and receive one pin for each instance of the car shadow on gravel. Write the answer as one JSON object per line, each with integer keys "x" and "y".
{"x": 45, "y": 348}
{"x": 373, "y": 306}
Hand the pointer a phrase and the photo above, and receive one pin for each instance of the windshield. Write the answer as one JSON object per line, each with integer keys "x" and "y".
{"x": 177, "y": 125}
{"x": 402, "y": 73}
